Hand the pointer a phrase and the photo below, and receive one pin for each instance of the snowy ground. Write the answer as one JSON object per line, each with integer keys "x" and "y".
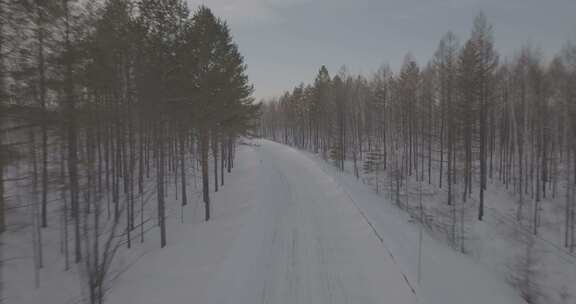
{"x": 537, "y": 266}
{"x": 287, "y": 230}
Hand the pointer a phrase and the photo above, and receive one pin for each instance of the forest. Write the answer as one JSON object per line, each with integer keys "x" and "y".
{"x": 137, "y": 166}
{"x": 106, "y": 109}
{"x": 468, "y": 135}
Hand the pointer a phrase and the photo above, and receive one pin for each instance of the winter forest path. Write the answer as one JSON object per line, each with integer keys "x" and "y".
{"x": 283, "y": 232}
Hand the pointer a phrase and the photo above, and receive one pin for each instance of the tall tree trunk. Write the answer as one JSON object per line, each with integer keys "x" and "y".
{"x": 222, "y": 161}
{"x": 215, "y": 157}
{"x": 204, "y": 146}
{"x": 160, "y": 179}
{"x": 183, "y": 167}
{"x": 72, "y": 135}
{"x": 2, "y": 156}
{"x": 42, "y": 95}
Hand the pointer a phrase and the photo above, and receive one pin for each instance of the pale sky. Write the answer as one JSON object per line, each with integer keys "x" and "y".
{"x": 285, "y": 42}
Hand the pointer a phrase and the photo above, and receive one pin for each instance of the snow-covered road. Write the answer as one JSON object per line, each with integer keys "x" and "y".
{"x": 283, "y": 232}
{"x": 306, "y": 243}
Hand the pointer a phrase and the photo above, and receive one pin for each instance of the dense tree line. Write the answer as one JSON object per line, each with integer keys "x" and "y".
{"x": 465, "y": 120}
{"x": 106, "y": 106}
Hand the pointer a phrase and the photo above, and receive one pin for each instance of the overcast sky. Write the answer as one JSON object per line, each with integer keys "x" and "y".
{"x": 285, "y": 42}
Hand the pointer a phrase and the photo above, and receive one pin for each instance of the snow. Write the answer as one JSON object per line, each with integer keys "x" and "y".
{"x": 286, "y": 228}
{"x": 538, "y": 266}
